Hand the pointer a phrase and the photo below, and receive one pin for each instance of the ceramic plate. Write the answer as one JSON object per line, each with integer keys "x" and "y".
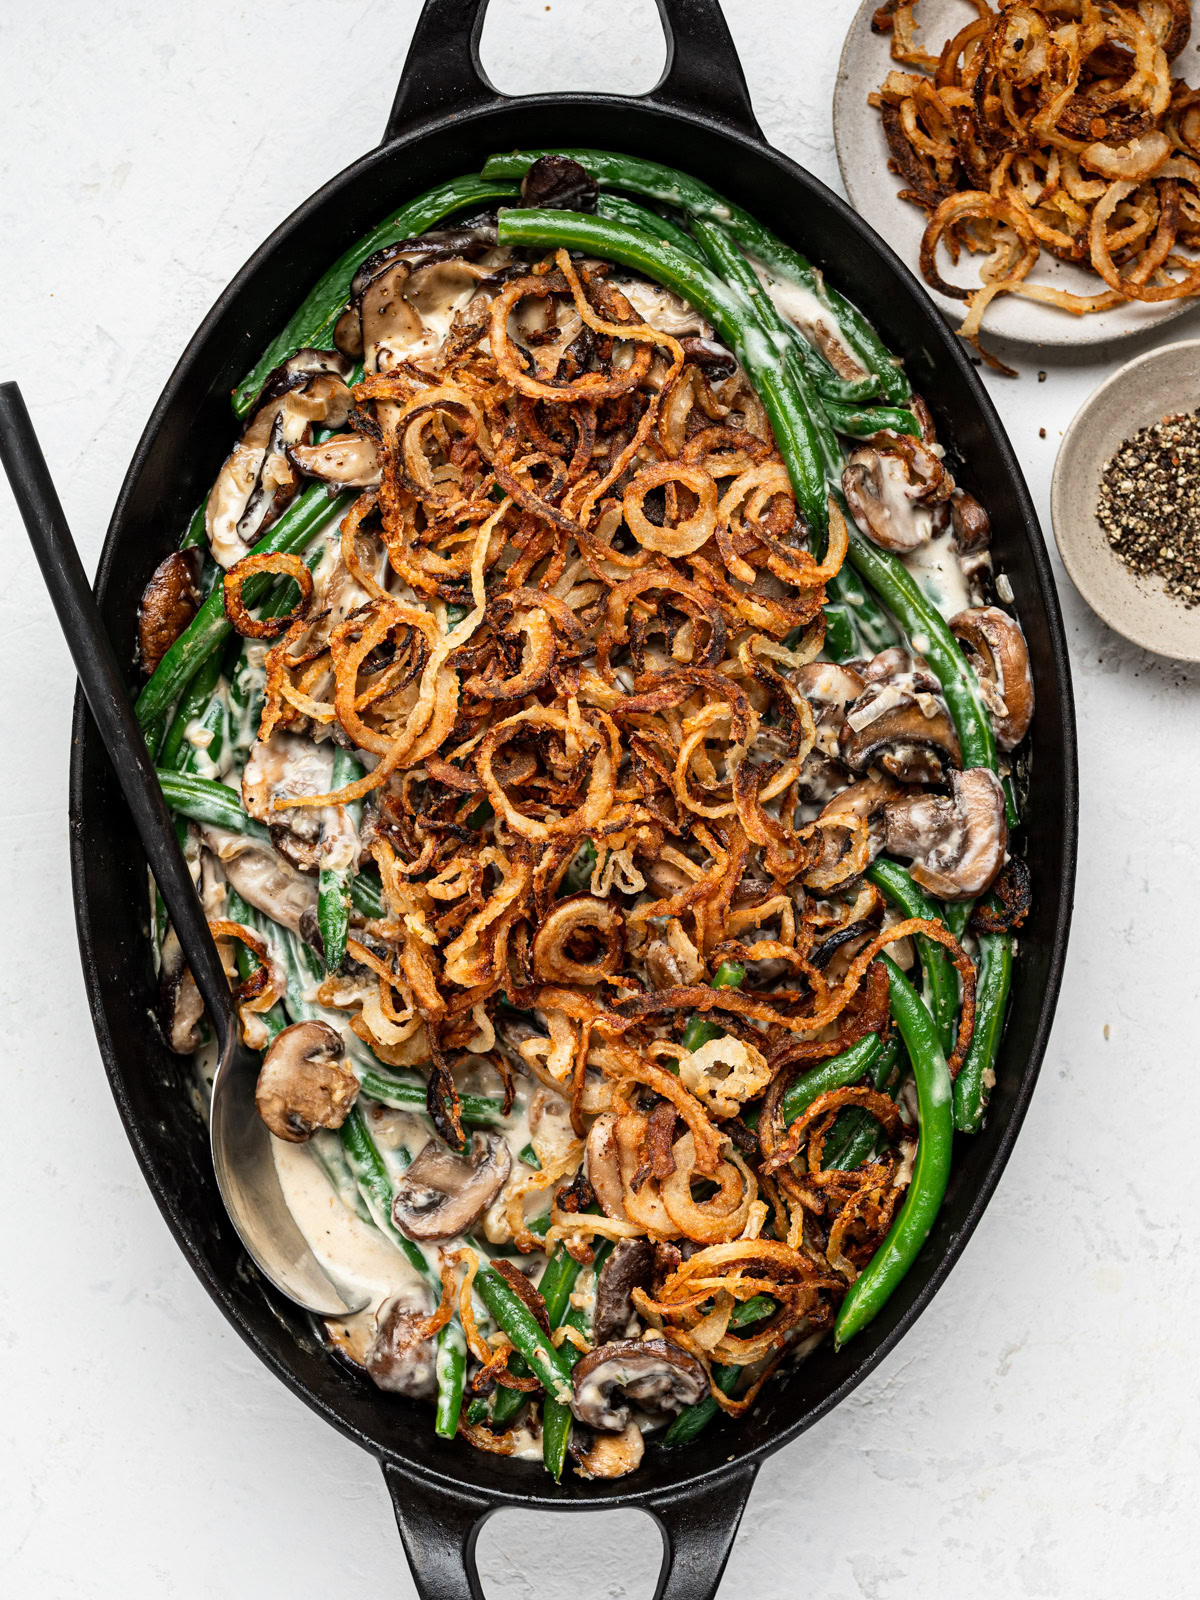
{"x": 874, "y": 193}
{"x": 1143, "y": 392}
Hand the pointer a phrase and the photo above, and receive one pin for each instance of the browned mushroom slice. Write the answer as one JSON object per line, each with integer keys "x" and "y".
{"x": 972, "y": 528}
{"x": 179, "y": 1004}
{"x": 656, "y": 1376}
{"x": 261, "y": 876}
{"x": 896, "y": 665}
{"x": 866, "y": 799}
{"x": 282, "y": 767}
{"x": 304, "y": 1082}
{"x": 399, "y": 1359}
{"x": 890, "y": 490}
{"x": 602, "y": 1162}
{"x": 996, "y": 648}
{"x": 257, "y": 480}
{"x": 629, "y": 1267}
{"x": 348, "y": 461}
{"x": 607, "y": 1455}
{"x": 911, "y": 738}
{"x": 956, "y": 843}
{"x": 169, "y": 602}
{"x": 442, "y": 1194}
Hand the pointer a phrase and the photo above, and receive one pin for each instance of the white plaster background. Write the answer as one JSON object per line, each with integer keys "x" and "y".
{"x": 1034, "y": 1436}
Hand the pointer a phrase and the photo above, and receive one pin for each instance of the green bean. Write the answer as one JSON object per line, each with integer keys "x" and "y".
{"x": 697, "y": 201}
{"x": 511, "y": 1314}
{"x": 410, "y": 1095}
{"x": 941, "y": 980}
{"x": 732, "y": 266}
{"x": 752, "y": 1310}
{"x": 197, "y": 528}
{"x": 205, "y": 801}
{"x": 311, "y": 325}
{"x": 861, "y": 423}
{"x": 195, "y": 700}
{"x": 855, "y": 1133}
{"x": 930, "y": 637}
{"x": 617, "y": 209}
{"x": 333, "y": 902}
{"x": 699, "y": 1030}
{"x": 556, "y": 1413}
{"x": 366, "y": 895}
{"x": 210, "y": 627}
{"x": 790, "y": 422}
{"x": 237, "y": 910}
{"x": 694, "y": 1419}
{"x": 971, "y": 1089}
{"x": 451, "y": 1370}
{"x": 835, "y": 1073}
{"x": 559, "y": 1277}
{"x": 874, "y": 1286}
{"x": 871, "y": 622}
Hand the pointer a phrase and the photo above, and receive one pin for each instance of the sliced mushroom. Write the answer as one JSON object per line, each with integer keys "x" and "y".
{"x": 179, "y": 1004}
{"x": 629, "y": 1267}
{"x": 866, "y": 799}
{"x": 996, "y": 648}
{"x": 896, "y": 665}
{"x": 304, "y": 1082}
{"x": 656, "y": 1376}
{"x": 911, "y": 737}
{"x": 602, "y": 1163}
{"x": 399, "y": 1359}
{"x": 972, "y": 527}
{"x": 956, "y": 843}
{"x": 607, "y": 1455}
{"x": 558, "y": 183}
{"x": 662, "y": 965}
{"x": 261, "y": 876}
{"x": 257, "y": 479}
{"x": 890, "y": 490}
{"x": 442, "y": 1194}
{"x": 169, "y": 602}
{"x": 282, "y": 767}
{"x": 348, "y": 461}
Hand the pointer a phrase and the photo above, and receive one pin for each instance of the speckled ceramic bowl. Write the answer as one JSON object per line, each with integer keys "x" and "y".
{"x": 1145, "y": 390}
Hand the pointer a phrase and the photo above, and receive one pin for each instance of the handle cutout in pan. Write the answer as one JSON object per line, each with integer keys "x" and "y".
{"x": 444, "y": 75}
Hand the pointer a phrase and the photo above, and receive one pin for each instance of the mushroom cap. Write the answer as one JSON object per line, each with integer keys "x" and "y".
{"x": 304, "y": 1082}
{"x": 441, "y": 1194}
{"x": 998, "y": 652}
{"x": 607, "y": 1455}
{"x": 889, "y": 490}
{"x": 629, "y": 1267}
{"x": 657, "y": 1376}
{"x": 169, "y": 602}
{"x": 972, "y": 527}
{"x": 957, "y": 843}
{"x": 912, "y": 739}
{"x": 281, "y": 767}
{"x": 348, "y": 460}
{"x": 399, "y": 1358}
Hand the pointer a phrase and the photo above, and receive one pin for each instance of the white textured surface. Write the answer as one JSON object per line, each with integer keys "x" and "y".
{"x": 1035, "y": 1435}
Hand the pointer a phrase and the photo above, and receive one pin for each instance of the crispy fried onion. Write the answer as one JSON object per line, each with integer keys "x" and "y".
{"x": 1050, "y": 127}
{"x": 281, "y": 564}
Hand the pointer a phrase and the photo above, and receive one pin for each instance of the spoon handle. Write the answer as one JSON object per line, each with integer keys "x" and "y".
{"x": 104, "y": 686}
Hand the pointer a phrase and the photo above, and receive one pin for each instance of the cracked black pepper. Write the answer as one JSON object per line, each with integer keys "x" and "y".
{"x": 1149, "y": 505}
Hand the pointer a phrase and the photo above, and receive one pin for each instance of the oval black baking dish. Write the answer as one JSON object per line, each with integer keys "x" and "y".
{"x": 445, "y": 121}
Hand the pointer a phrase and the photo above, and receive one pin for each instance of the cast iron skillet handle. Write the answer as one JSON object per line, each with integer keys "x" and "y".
{"x": 443, "y": 73}
{"x": 104, "y": 685}
{"x": 440, "y": 1529}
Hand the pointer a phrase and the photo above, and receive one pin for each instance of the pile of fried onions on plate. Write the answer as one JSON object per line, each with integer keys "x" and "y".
{"x": 1050, "y": 125}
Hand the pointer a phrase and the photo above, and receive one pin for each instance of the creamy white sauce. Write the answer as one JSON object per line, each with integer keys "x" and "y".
{"x": 939, "y": 576}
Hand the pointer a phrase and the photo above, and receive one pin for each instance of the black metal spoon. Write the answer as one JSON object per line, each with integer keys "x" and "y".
{"x": 241, "y": 1143}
